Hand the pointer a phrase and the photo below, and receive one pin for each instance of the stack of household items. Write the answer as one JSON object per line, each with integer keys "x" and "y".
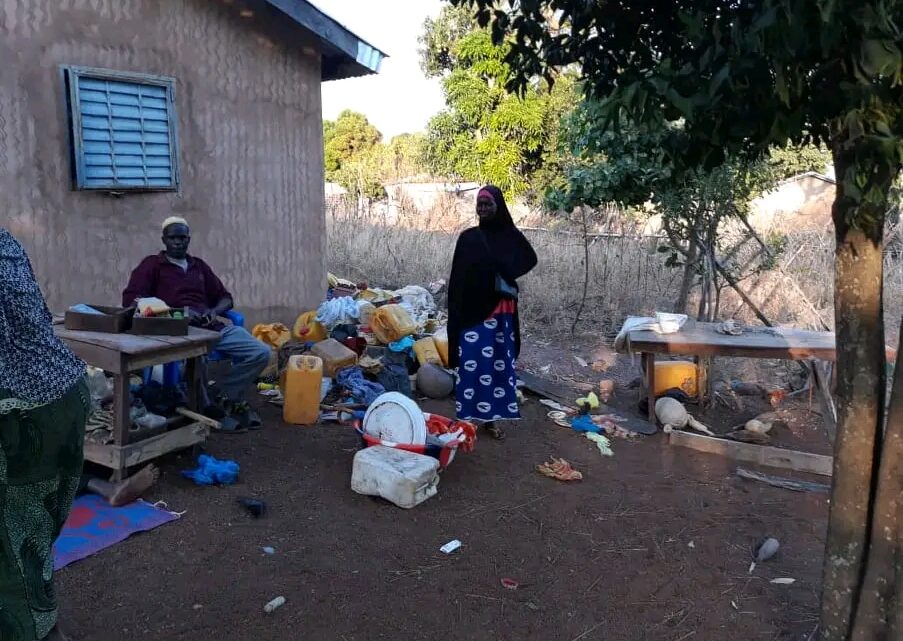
{"x": 357, "y": 360}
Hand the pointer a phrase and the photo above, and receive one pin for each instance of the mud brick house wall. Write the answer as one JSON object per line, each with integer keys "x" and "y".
{"x": 115, "y": 114}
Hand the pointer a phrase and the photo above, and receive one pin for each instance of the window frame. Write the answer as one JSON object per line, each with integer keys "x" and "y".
{"x": 74, "y": 113}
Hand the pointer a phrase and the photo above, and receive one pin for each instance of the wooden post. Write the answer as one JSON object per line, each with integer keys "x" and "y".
{"x": 649, "y": 364}
{"x": 122, "y": 420}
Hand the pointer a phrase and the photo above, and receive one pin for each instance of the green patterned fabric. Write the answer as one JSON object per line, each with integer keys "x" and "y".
{"x": 40, "y": 465}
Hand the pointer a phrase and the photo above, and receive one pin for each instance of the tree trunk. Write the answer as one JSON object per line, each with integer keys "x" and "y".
{"x": 858, "y": 311}
{"x": 880, "y": 613}
{"x": 686, "y": 282}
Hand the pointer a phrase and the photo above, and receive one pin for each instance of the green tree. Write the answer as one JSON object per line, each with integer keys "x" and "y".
{"x": 353, "y": 154}
{"x": 348, "y": 137}
{"x": 744, "y": 77}
{"x": 404, "y": 157}
{"x": 486, "y": 133}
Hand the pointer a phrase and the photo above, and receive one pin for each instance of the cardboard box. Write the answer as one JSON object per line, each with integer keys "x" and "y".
{"x": 111, "y": 320}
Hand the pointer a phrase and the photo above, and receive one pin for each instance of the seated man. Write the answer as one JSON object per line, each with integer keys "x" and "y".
{"x": 181, "y": 280}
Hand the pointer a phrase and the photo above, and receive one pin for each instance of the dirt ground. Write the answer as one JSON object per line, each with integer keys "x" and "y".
{"x": 653, "y": 544}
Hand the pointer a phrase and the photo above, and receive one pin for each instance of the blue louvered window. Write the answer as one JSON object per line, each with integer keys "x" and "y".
{"x": 123, "y": 130}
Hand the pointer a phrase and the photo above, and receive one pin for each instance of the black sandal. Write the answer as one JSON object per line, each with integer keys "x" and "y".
{"x": 494, "y": 431}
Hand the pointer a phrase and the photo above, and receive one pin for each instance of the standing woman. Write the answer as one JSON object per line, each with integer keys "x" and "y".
{"x": 44, "y": 405}
{"x": 483, "y": 323}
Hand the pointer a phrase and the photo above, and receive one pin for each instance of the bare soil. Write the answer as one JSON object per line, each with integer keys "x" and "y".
{"x": 653, "y": 544}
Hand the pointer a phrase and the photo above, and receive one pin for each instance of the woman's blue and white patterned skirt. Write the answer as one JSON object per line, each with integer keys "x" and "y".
{"x": 485, "y": 387}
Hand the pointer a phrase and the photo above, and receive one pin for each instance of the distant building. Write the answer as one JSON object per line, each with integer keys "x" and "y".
{"x": 800, "y": 203}
{"x": 115, "y": 114}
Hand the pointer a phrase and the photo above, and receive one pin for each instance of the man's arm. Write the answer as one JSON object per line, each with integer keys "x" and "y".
{"x": 141, "y": 283}
{"x": 219, "y": 299}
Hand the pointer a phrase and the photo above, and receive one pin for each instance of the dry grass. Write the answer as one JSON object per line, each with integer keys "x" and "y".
{"x": 628, "y": 275}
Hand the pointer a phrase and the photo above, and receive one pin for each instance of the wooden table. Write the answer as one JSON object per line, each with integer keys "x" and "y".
{"x": 702, "y": 340}
{"x": 121, "y": 354}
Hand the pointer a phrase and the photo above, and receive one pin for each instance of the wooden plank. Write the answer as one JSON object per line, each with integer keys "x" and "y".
{"x": 157, "y": 446}
{"x": 761, "y": 454}
{"x": 136, "y": 362}
{"x": 199, "y": 418}
{"x": 101, "y": 454}
{"x": 782, "y": 482}
{"x": 135, "y": 344}
{"x": 547, "y": 389}
{"x": 826, "y": 400}
{"x": 102, "y": 357}
{"x": 701, "y": 339}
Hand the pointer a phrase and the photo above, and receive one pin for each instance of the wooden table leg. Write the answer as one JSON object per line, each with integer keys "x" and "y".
{"x": 195, "y": 375}
{"x": 121, "y": 416}
{"x": 649, "y": 365}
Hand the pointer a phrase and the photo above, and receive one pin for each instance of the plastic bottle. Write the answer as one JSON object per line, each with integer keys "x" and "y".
{"x": 301, "y": 390}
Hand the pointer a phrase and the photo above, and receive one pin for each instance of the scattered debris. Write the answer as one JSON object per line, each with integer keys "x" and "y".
{"x": 672, "y": 414}
{"x": 269, "y": 550}
{"x": 588, "y": 402}
{"x": 274, "y": 605}
{"x": 450, "y": 547}
{"x": 606, "y": 389}
{"x": 601, "y": 442}
{"x": 255, "y": 507}
{"x": 559, "y": 469}
{"x": 730, "y": 328}
{"x": 509, "y": 584}
{"x": 554, "y": 405}
{"x": 559, "y": 418}
{"x": 211, "y": 471}
{"x": 786, "y": 483}
{"x": 766, "y": 550}
{"x": 581, "y": 362}
{"x": 783, "y": 581}
{"x": 691, "y": 545}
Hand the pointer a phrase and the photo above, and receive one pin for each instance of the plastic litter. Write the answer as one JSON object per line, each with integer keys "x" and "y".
{"x": 450, "y": 547}
{"x": 274, "y": 605}
{"x": 255, "y": 507}
{"x": 338, "y": 311}
{"x": 269, "y": 550}
{"x": 767, "y": 550}
{"x": 560, "y": 470}
{"x": 783, "y": 581}
{"x": 211, "y": 471}
{"x": 404, "y": 345}
{"x": 584, "y": 423}
{"x": 509, "y": 584}
{"x": 362, "y": 390}
{"x": 601, "y": 442}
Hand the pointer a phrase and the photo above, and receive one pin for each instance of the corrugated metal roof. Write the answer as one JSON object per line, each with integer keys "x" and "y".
{"x": 345, "y": 55}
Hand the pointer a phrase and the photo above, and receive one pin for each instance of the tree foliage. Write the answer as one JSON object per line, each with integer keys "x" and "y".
{"x": 347, "y": 139}
{"x": 743, "y": 77}
{"x": 487, "y": 133}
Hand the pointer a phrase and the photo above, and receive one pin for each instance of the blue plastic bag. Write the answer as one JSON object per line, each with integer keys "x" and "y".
{"x": 211, "y": 471}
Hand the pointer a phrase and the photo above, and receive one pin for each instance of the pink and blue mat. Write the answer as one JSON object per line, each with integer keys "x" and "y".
{"x": 93, "y": 526}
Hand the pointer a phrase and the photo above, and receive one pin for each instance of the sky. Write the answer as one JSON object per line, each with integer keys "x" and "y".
{"x": 398, "y": 99}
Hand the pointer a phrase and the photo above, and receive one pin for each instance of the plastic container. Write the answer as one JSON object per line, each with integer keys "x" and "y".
{"x": 335, "y": 356}
{"x": 426, "y": 351}
{"x": 395, "y": 418}
{"x": 307, "y": 329}
{"x": 301, "y": 387}
{"x": 403, "y": 478}
{"x": 391, "y": 323}
{"x": 440, "y": 338}
{"x": 683, "y": 375}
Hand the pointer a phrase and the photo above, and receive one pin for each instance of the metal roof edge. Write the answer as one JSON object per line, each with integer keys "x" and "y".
{"x": 357, "y": 57}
